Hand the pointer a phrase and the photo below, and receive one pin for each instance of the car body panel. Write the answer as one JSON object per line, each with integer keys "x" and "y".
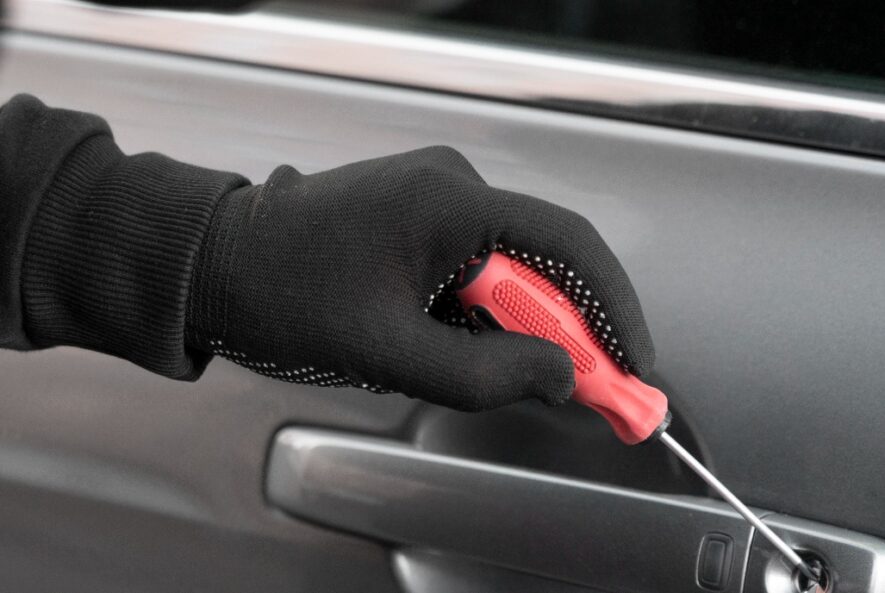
{"x": 759, "y": 267}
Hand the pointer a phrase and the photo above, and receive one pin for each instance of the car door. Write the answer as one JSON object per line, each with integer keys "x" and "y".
{"x": 748, "y": 211}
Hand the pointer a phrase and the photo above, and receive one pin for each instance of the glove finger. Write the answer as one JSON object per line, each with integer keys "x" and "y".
{"x": 473, "y": 372}
{"x": 556, "y": 238}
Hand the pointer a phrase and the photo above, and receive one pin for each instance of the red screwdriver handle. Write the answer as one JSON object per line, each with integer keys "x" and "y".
{"x": 504, "y": 293}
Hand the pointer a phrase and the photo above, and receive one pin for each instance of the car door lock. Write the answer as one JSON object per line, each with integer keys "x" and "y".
{"x": 521, "y": 299}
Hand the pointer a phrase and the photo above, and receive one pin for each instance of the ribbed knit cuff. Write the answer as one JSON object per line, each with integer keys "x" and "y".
{"x": 110, "y": 255}
{"x": 208, "y": 301}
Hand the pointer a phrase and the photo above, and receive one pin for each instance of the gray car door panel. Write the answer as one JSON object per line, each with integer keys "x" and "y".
{"x": 759, "y": 267}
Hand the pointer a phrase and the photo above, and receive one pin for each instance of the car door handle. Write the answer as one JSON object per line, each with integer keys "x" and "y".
{"x": 599, "y": 536}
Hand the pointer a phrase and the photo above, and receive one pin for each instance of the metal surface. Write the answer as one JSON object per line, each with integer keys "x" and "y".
{"x": 759, "y": 268}
{"x": 115, "y": 479}
{"x": 579, "y": 532}
{"x": 611, "y": 539}
{"x": 557, "y": 440}
{"x": 856, "y": 563}
{"x": 420, "y": 571}
{"x": 736, "y": 503}
{"x": 781, "y": 112}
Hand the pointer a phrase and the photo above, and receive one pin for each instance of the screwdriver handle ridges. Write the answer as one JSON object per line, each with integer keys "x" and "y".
{"x": 510, "y": 295}
{"x": 507, "y": 294}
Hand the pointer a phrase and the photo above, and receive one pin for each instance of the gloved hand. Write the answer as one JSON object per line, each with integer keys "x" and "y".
{"x": 328, "y": 279}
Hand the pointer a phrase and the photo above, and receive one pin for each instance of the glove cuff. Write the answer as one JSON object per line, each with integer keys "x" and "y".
{"x": 208, "y": 299}
{"x": 111, "y": 252}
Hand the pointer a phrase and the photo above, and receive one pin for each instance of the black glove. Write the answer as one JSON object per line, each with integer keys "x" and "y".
{"x": 328, "y": 279}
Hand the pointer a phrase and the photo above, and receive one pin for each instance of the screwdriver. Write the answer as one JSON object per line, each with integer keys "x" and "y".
{"x": 503, "y": 293}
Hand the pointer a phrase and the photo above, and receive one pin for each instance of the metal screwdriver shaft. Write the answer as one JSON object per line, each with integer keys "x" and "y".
{"x": 740, "y": 507}
{"x": 514, "y": 296}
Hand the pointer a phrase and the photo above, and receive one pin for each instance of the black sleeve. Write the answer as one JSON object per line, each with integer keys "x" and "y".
{"x": 97, "y": 248}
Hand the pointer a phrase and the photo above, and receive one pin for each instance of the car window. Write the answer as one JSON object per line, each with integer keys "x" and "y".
{"x": 827, "y": 43}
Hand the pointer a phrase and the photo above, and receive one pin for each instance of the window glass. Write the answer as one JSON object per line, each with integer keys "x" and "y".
{"x": 821, "y": 42}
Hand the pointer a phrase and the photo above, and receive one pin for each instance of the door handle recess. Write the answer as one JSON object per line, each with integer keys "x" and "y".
{"x": 599, "y": 536}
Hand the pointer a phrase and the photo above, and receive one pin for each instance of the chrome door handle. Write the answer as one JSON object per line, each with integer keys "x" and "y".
{"x": 599, "y": 536}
